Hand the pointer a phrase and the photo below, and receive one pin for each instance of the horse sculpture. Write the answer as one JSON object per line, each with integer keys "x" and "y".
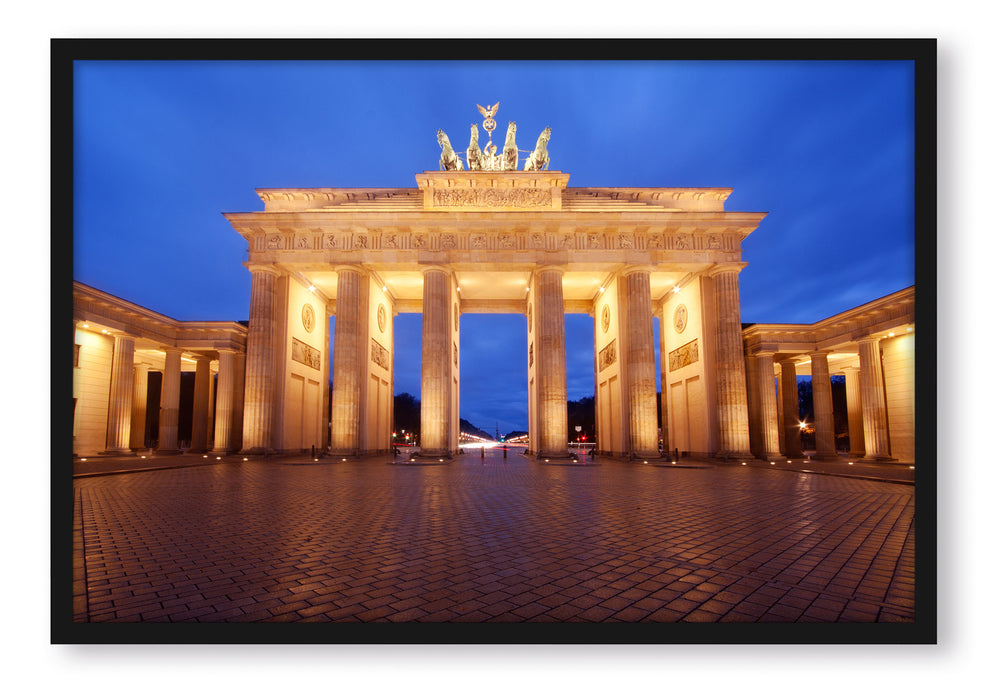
{"x": 510, "y": 154}
{"x": 475, "y": 158}
{"x": 539, "y": 159}
{"x": 448, "y": 159}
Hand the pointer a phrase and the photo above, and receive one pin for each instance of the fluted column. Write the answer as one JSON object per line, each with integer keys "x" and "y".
{"x": 854, "y": 409}
{"x": 641, "y": 367}
{"x": 821, "y": 391}
{"x": 789, "y": 405}
{"x": 201, "y": 407}
{"x": 768, "y": 406}
{"x": 730, "y": 368}
{"x": 437, "y": 360}
{"x": 873, "y": 400}
{"x": 139, "y": 406}
{"x": 348, "y": 352}
{"x": 168, "y": 417}
{"x": 121, "y": 395}
{"x": 552, "y": 365}
{"x": 259, "y": 376}
{"x": 664, "y": 409}
{"x": 225, "y": 415}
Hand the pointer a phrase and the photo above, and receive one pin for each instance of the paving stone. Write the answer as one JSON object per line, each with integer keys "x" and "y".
{"x": 348, "y": 542}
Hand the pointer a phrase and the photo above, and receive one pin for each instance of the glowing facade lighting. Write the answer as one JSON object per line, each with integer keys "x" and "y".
{"x": 677, "y": 290}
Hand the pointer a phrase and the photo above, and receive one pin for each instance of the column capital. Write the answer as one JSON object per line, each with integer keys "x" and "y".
{"x": 254, "y": 267}
{"x": 630, "y": 269}
{"x": 548, "y": 268}
{"x": 437, "y": 267}
{"x": 818, "y": 353}
{"x": 725, "y": 268}
{"x": 867, "y": 338}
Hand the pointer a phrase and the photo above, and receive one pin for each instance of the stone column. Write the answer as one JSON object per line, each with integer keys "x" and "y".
{"x": 201, "y": 407}
{"x": 121, "y": 396}
{"x": 665, "y": 424}
{"x": 791, "y": 414}
{"x": 259, "y": 379}
{"x": 168, "y": 417}
{"x": 768, "y": 406}
{"x": 552, "y": 364}
{"x": 854, "y": 408}
{"x": 730, "y": 367}
{"x": 348, "y": 353}
{"x": 139, "y": 406}
{"x": 755, "y": 417}
{"x": 223, "y": 433}
{"x": 821, "y": 390}
{"x": 437, "y": 360}
{"x": 640, "y": 368}
{"x": 873, "y": 400}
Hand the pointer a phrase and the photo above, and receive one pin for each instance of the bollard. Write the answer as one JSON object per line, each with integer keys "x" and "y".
{"x": 482, "y": 454}
{"x": 505, "y": 453}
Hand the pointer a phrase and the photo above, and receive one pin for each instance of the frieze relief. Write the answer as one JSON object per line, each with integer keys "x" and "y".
{"x": 364, "y": 239}
{"x": 379, "y": 355}
{"x": 516, "y": 198}
{"x": 306, "y": 354}
{"x": 606, "y": 356}
{"x": 683, "y": 356}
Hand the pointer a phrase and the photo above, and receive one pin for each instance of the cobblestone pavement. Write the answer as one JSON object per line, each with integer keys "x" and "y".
{"x": 490, "y": 541}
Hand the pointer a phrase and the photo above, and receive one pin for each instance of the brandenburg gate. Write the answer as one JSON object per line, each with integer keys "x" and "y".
{"x": 491, "y": 233}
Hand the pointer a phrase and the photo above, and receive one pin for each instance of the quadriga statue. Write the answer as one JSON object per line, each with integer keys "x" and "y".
{"x": 475, "y": 158}
{"x": 448, "y": 159}
{"x": 539, "y": 159}
{"x": 510, "y": 154}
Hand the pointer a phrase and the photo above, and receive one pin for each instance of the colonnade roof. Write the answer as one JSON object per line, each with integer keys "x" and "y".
{"x": 100, "y": 312}
{"x": 493, "y": 230}
{"x": 890, "y": 316}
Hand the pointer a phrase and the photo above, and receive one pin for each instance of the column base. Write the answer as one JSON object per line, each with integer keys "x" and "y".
{"x": 827, "y": 457}
{"x": 117, "y": 452}
{"x": 879, "y": 458}
{"x": 734, "y": 455}
{"x": 775, "y": 457}
{"x": 259, "y": 451}
{"x": 433, "y": 454}
{"x": 168, "y": 451}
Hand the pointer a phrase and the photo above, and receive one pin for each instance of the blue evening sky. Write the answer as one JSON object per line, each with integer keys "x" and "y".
{"x": 825, "y": 147}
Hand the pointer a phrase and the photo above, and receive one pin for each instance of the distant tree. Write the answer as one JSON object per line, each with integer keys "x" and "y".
{"x": 806, "y": 404}
{"x": 581, "y": 412}
{"x": 406, "y": 413}
{"x": 840, "y": 413}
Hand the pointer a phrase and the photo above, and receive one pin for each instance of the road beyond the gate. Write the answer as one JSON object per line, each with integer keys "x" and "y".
{"x": 489, "y": 540}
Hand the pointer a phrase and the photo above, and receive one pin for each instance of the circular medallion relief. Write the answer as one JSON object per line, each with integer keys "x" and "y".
{"x": 606, "y": 318}
{"x": 308, "y": 317}
{"x": 382, "y": 319}
{"x": 680, "y": 318}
